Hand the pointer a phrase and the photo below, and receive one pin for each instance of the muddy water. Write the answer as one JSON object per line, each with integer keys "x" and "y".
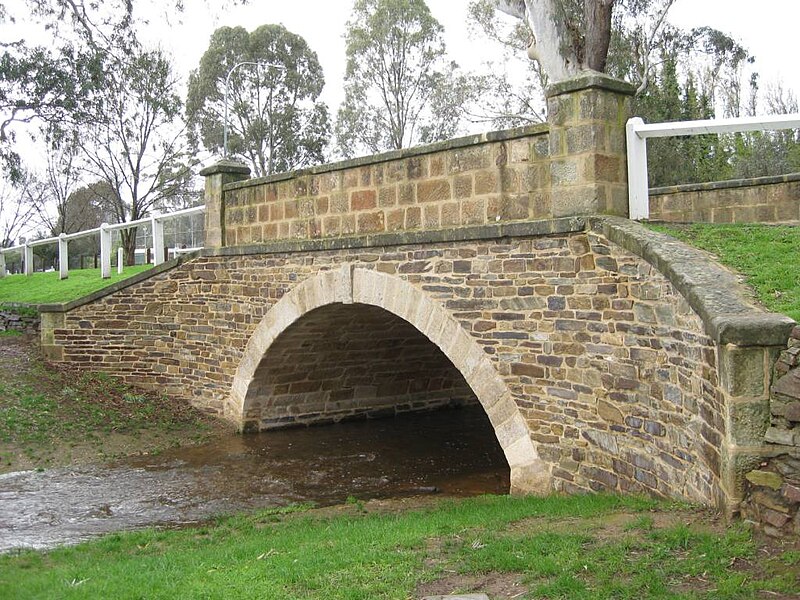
{"x": 453, "y": 451}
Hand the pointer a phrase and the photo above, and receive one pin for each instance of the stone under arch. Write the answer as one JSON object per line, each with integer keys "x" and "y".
{"x": 349, "y": 285}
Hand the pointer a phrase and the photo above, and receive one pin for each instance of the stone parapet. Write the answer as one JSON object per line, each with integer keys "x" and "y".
{"x": 491, "y": 178}
{"x": 588, "y": 168}
{"x": 758, "y": 200}
{"x": 573, "y": 165}
{"x": 217, "y": 176}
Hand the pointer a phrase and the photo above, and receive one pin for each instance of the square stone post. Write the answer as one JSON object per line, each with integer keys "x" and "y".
{"x": 587, "y": 118}
{"x": 217, "y": 175}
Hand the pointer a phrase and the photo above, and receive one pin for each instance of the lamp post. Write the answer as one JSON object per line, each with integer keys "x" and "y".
{"x": 227, "y": 84}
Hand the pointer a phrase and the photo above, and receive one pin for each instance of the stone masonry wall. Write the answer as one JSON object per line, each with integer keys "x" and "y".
{"x": 607, "y": 363}
{"x": 773, "y": 489}
{"x": 573, "y": 165}
{"x": 758, "y": 200}
{"x": 471, "y": 181}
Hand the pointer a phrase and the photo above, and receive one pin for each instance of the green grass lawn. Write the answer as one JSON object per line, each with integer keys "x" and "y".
{"x": 46, "y": 288}
{"x": 767, "y": 255}
{"x": 580, "y": 547}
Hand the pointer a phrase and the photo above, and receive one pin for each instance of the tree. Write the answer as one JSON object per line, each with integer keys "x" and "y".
{"x": 762, "y": 153}
{"x": 17, "y": 209}
{"x": 399, "y": 88}
{"x": 133, "y": 140}
{"x": 511, "y": 85}
{"x": 276, "y": 122}
{"x": 54, "y": 84}
{"x": 569, "y": 36}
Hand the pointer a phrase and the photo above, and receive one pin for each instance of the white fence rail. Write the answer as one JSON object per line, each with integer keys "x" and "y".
{"x": 637, "y": 132}
{"x": 105, "y": 230}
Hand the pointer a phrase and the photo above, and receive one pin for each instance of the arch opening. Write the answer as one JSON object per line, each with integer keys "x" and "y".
{"x": 351, "y": 361}
{"x": 461, "y": 374}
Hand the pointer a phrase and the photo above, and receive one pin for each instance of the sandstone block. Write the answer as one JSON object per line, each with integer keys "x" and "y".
{"x": 765, "y": 478}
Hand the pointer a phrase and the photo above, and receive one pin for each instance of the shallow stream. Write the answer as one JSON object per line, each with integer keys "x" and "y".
{"x": 452, "y": 452}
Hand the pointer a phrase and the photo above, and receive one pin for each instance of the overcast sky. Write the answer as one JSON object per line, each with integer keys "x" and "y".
{"x": 769, "y": 31}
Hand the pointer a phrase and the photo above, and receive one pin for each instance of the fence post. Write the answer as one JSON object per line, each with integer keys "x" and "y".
{"x": 63, "y": 257}
{"x": 2, "y": 265}
{"x": 120, "y": 260}
{"x": 105, "y": 251}
{"x": 639, "y": 202}
{"x": 157, "y": 229}
{"x": 28, "y": 259}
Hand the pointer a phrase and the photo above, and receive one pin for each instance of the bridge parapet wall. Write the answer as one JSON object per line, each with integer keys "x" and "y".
{"x": 499, "y": 176}
{"x": 572, "y": 165}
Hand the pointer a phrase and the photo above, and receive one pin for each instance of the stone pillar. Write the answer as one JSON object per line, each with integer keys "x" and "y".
{"x": 217, "y": 175}
{"x": 747, "y": 347}
{"x": 587, "y": 118}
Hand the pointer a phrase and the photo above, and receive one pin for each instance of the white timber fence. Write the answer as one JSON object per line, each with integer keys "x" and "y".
{"x": 637, "y": 133}
{"x": 105, "y": 230}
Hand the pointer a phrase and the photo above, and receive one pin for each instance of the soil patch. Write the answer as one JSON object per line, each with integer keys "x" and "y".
{"x": 55, "y": 415}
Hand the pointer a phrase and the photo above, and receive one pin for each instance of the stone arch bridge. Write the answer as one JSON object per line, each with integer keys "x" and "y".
{"x": 606, "y": 356}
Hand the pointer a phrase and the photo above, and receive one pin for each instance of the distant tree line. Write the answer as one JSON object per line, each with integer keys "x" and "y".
{"x": 121, "y": 141}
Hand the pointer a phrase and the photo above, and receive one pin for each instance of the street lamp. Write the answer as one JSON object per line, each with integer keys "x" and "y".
{"x": 227, "y": 84}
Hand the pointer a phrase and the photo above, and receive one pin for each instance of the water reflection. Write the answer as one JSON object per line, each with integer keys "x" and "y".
{"x": 453, "y": 451}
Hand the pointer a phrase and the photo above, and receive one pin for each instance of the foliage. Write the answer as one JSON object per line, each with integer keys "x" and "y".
{"x": 762, "y": 253}
{"x": 275, "y": 119}
{"x": 131, "y": 141}
{"x": 558, "y": 547}
{"x": 46, "y": 288}
{"x": 16, "y": 208}
{"x": 511, "y": 87}
{"x": 763, "y": 153}
{"x": 688, "y": 159}
{"x": 400, "y": 89}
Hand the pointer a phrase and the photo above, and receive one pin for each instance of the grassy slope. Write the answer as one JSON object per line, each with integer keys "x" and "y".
{"x": 45, "y": 288}
{"x": 578, "y": 547}
{"x": 768, "y": 256}
{"x": 51, "y": 415}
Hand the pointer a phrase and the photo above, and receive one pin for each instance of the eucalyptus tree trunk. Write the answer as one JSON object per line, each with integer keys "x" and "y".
{"x": 565, "y": 44}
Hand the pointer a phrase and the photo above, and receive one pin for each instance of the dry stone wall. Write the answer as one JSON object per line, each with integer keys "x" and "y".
{"x": 773, "y": 489}
{"x": 606, "y": 362}
{"x": 22, "y": 318}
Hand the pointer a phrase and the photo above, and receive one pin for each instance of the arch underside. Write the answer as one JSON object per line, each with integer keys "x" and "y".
{"x": 348, "y": 361}
{"x": 357, "y": 343}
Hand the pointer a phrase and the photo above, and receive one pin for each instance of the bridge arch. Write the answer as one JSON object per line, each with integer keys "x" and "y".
{"x": 348, "y": 285}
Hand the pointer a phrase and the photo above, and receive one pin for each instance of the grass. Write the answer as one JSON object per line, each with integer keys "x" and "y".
{"x": 767, "y": 256}
{"x": 46, "y": 288}
{"x": 558, "y": 547}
